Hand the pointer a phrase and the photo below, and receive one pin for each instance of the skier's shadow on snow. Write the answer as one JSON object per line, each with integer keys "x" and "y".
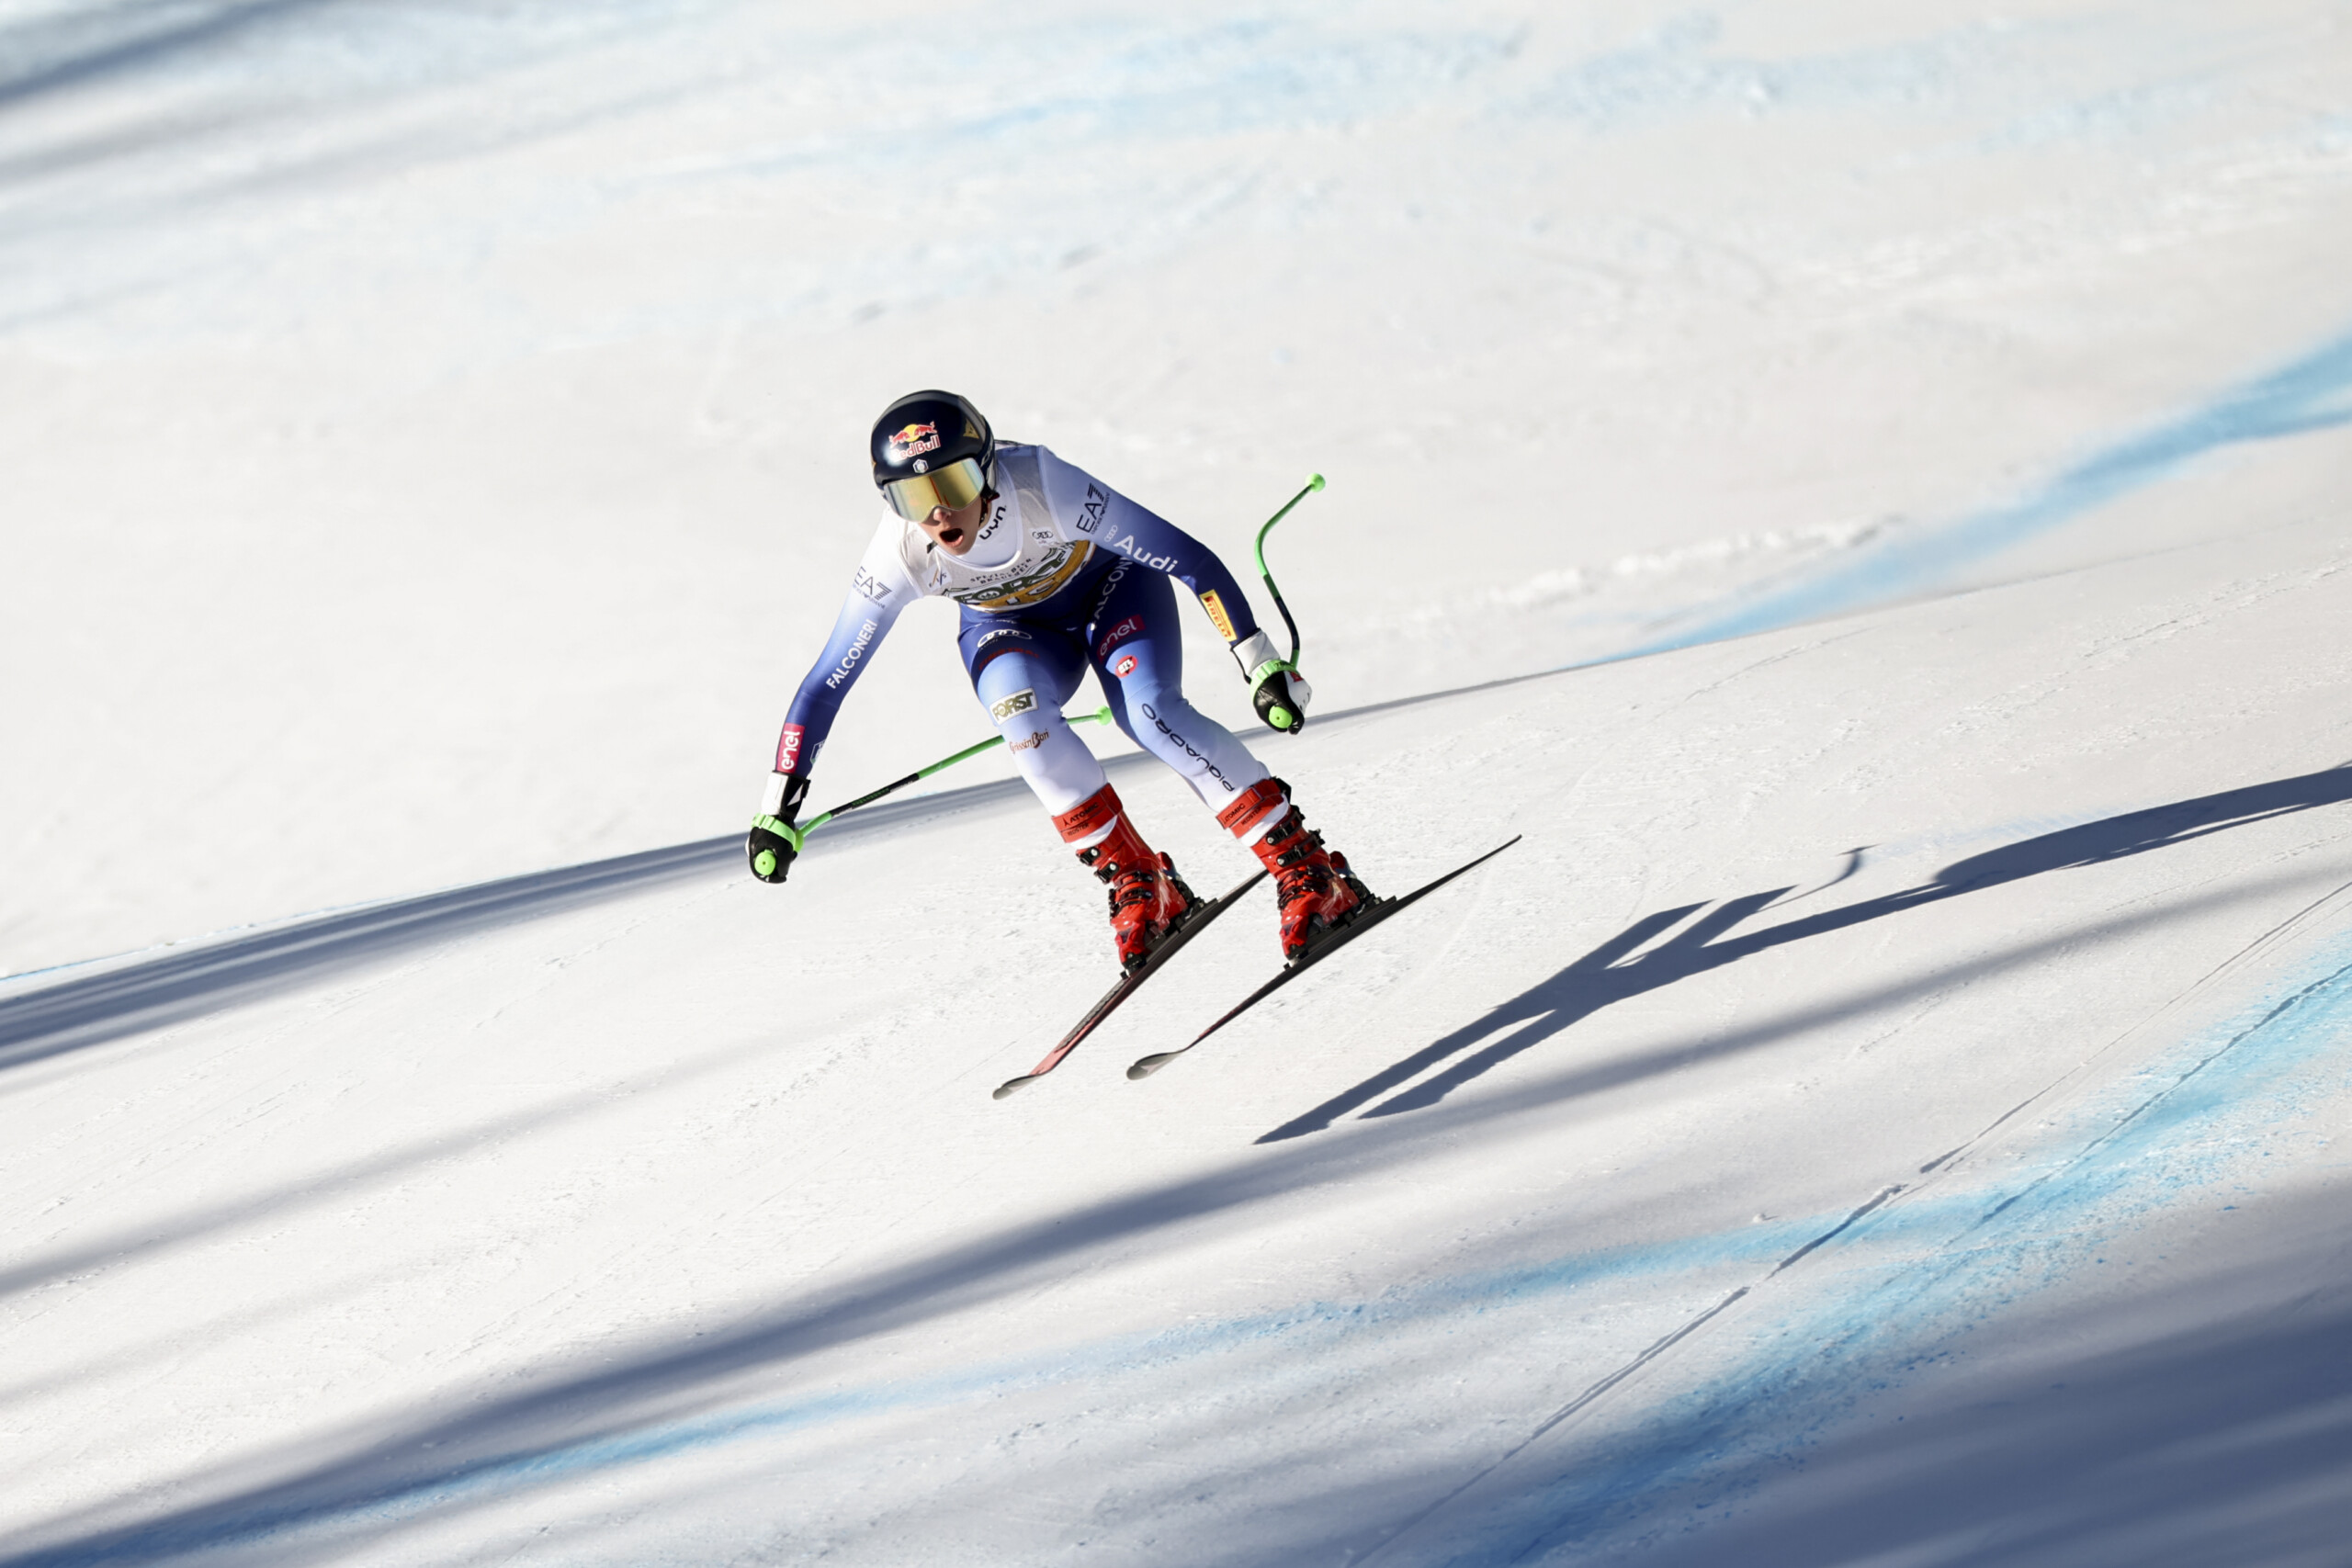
{"x": 1607, "y": 974}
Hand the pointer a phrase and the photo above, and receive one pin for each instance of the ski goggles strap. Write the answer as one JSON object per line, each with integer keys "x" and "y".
{"x": 952, "y": 486}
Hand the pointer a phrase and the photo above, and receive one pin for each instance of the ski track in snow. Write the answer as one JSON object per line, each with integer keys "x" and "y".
{"x": 2309, "y": 395}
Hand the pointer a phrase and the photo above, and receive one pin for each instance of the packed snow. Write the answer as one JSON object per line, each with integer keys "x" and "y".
{"x": 1865, "y": 492}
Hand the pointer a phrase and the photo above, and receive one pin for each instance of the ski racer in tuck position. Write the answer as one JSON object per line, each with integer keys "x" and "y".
{"x": 1055, "y": 572}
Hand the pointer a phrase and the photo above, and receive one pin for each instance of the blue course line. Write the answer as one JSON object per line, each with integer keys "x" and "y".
{"x": 1923, "y": 1284}
{"x": 1915, "y": 1275}
{"x": 2301, "y": 398}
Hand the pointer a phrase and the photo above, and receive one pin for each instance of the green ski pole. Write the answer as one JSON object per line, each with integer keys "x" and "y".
{"x": 1274, "y": 713}
{"x": 799, "y": 837}
{"x": 1313, "y": 483}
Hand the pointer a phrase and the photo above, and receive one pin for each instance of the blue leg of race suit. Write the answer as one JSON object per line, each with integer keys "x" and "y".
{"x": 1137, "y": 650}
{"x": 1025, "y": 670}
{"x": 1022, "y": 673}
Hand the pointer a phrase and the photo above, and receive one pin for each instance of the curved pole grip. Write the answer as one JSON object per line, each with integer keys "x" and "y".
{"x": 1313, "y": 483}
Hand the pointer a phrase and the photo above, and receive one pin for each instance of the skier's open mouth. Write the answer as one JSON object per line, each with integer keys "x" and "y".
{"x": 950, "y": 535}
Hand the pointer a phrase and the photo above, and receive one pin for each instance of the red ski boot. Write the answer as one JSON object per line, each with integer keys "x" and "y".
{"x": 1147, "y": 899}
{"x": 1313, "y": 885}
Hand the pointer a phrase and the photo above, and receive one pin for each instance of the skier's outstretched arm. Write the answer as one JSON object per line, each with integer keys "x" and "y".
{"x": 879, "y": 591}
{"x": 1144, "y": 537}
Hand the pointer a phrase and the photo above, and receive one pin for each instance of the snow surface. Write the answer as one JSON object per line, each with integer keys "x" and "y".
{"x": 1862, "y": 489}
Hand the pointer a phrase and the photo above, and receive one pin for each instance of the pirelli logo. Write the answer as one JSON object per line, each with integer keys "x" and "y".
{"x": 1216, "y": 607}
{"x": 1020, "y": 702}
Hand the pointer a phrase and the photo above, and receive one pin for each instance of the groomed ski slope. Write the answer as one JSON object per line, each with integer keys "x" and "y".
{"x": 1889, "y": 1109}
{"x": 1885, "y": 1104}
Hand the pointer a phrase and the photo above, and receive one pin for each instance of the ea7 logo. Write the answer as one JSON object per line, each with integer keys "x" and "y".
{"x": 1090, "y": 517}
{"x": 868, "y": 585}
{"x": 1020, "y": 702}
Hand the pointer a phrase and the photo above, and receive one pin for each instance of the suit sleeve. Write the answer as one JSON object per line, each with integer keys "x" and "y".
{"x": 1078, "y": 499}
{"x": 879, "y": 591}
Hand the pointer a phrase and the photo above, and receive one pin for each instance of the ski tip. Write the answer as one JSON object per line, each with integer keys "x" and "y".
{"x": 1150, "y": 1065}
{"x": 1009, "y": 1085}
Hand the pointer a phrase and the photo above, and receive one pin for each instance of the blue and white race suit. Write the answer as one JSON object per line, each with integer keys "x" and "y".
{"x": 1065, "y": 574}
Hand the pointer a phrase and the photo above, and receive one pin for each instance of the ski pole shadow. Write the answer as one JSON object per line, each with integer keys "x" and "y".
{"x": 1609, "y": 975}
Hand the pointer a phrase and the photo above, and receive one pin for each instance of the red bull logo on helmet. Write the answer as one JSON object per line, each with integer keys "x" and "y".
{"x": 910, "y": 440}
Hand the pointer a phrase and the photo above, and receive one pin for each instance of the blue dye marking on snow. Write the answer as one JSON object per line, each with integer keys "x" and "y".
{"x": 511, "y": 1474}
{"x": 1112, "y": 80}
{"x": 514, "y": 1473}
{"x": 1678, "y": 68}
{"x": 1911, "y": 1277}
{"x": 2306, "y": 396}
{"x": 2176, "y": 1129}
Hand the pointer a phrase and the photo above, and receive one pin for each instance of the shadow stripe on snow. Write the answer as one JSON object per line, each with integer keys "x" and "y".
{"x": 189, "y": 980}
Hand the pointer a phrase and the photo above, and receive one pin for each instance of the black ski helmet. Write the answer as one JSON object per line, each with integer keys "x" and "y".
{"x": 921, "y": 445}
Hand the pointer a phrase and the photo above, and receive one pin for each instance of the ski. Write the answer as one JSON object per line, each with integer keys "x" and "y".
{"x": 1193, "y": 922}
{"x": 1380, "y": 910}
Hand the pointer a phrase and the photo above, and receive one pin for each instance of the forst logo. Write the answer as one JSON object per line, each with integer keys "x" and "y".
{"x": 1020, "y": 702}
{"x": 910, "y": 440}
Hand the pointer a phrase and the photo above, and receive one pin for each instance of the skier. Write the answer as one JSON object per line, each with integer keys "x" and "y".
{"x": 1055, "y": 572}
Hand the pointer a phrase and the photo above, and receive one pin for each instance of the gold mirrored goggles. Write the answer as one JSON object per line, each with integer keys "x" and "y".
{"x": 958, "y": 485}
